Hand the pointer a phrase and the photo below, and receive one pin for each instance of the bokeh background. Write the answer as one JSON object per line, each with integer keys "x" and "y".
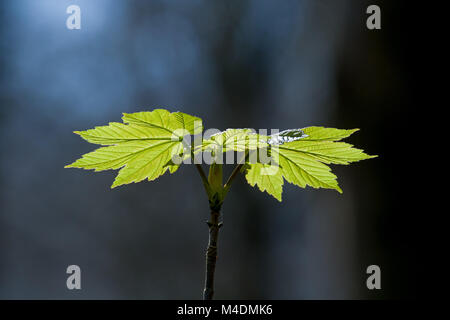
{"x": 252, "y": 63}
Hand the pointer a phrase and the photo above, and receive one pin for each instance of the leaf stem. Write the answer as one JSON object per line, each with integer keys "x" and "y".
{"x": 204, "y": 179}
{"x": 234, "y": 173}
{"x": 200, "y": 171}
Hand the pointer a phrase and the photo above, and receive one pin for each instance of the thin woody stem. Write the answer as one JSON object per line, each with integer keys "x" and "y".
{"x": 211, "y": 254}
{"x": 214, "y": 224}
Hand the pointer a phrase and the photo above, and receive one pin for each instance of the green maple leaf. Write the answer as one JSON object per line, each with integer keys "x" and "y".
{"x": 142, "y": 146}
{"x": 303, "y": 160}
{"x": 267, "y": 177}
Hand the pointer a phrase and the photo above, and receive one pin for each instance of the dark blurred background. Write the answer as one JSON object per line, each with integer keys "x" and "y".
{"x": 259, "y": 64}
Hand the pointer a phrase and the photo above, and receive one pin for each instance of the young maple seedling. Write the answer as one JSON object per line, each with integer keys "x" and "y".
{"x": 147, "y": 144}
